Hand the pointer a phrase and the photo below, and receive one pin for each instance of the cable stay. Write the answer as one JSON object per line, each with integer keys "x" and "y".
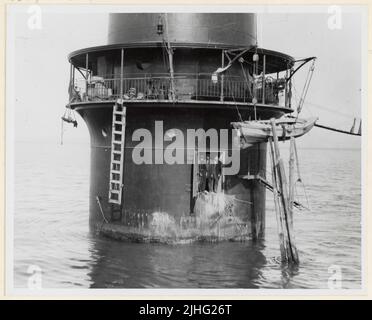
{"x": 303, "y": 96}
{"x": 331, "y": 110}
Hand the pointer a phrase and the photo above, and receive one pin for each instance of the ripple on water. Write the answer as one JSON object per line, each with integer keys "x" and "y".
{"x": 51, "y": 231}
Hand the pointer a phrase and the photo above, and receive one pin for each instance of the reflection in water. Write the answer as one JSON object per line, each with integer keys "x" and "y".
{"x": 51, "y": 232}
{"x": 116, "y": 264}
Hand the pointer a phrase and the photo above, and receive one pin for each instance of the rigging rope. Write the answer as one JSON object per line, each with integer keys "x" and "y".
{"x": 306, "y": 87}
{"x": 245, "y": 77}
{"x": 299, "y": 179}
{"x": 98, "y": 199}
{"x": 350, "y": 132}
{"x": 236, "y": 106}
{"x": 62, "y": 132}
{"x": 334, "y": 111}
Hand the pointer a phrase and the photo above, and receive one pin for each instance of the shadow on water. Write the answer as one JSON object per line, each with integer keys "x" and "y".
{"x": 288, "y": 272}
{"x": 116, "y": 264}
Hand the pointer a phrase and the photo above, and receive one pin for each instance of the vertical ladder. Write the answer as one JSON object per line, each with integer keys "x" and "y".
{"x": 117, "y": 152}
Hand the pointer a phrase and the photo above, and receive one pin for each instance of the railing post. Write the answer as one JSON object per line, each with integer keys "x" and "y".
{"x": 73, "y": 75}
{"x": 71, "y": 85}
{"x": 70, "y": 72}
{"x": 86, "y": 77}
{"x": 285, "y": 89}
{"x": 263, "y": 79}
{"x": 222, "y": 76}
{"x": 290, "y": 89}
{"x": 197, "y": 86}
{"x": 121, "y": 72}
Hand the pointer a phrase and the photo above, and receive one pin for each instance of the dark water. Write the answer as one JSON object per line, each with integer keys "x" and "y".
{"x": 51, "y": 232}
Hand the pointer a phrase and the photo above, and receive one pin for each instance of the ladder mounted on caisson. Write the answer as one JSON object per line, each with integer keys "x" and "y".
{"x": 117, "y": 152}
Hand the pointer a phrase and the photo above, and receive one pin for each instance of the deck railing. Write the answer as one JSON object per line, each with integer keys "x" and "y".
{"x": 187, "y": 87}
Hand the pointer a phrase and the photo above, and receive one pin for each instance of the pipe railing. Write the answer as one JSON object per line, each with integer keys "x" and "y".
{"x": 187, "y": 87}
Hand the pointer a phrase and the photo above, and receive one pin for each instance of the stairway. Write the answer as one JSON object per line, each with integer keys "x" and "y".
{"x": 117, "y": 152}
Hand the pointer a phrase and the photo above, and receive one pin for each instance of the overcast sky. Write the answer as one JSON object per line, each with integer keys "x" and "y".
{"x": 41, "y": 70}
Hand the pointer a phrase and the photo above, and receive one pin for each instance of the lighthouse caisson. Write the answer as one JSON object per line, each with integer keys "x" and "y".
{"x": 159, "y": 100}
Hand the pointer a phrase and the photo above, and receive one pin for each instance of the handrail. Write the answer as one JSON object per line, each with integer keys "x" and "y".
{"x": 187, "y": 87}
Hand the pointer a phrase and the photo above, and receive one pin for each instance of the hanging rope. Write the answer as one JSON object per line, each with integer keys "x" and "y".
{"x": 299, "y": 179}
{"x": 255, "y": 73}
{"x": 62, "y": 132}
{"x": 245, "y": 77}
{"x": 306, "y": 87}
{"x": 98, "y": 199}
{"x": 233, "y": 97}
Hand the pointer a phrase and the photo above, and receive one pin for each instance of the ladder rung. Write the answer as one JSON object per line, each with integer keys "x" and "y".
{"x": 114, "y": 191}
{"x": 117, "y": 132}
{"x": 116, "y": 151}
{"x": 117, "y": 124}
{"x": 115, "y": 185}
{"x": 115, "y": 171}
{"x": 116, "y": 161}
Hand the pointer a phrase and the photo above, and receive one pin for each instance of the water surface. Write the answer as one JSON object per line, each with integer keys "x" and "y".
{"x": 51, "y": 231}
